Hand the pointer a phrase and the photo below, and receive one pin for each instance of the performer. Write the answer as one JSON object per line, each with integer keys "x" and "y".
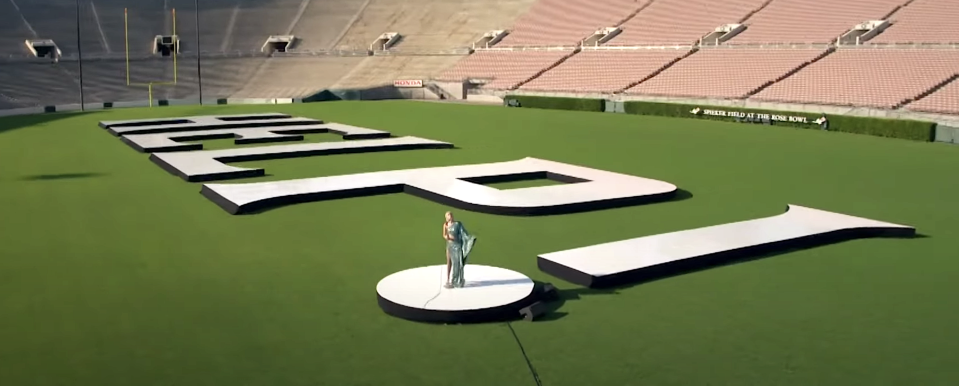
{"x": 459, "y": 243}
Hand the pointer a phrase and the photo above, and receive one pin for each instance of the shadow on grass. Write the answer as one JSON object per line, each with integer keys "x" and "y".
{"x": 61, "y": 176}
{"x": 554, "y": 307}
{"x": 681, "y": 195}
{"x": 11, "y": 123}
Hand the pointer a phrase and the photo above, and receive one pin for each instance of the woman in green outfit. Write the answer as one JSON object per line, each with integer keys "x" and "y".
{"x": 459, "y": 243}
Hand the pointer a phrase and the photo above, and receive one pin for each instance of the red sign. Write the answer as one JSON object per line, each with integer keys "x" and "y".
{"x": 407, "y": 83}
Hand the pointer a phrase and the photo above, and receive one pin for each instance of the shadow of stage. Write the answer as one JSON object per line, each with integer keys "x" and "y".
{"x": 680, "y": 195}
{"x": 553, "y": 307}
{"x": 60, "y": 176}
{"x": 553, "y": 310}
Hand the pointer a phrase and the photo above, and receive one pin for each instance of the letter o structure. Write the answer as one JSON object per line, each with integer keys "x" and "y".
{"x": 491, "y": 294}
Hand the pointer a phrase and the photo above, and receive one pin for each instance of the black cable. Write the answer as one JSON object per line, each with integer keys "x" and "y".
{"x": 532, "y": 370}
{"x": 440, "y": 290}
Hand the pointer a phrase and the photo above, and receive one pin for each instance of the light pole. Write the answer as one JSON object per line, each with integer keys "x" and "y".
{"x": 199, "y": 75}
{"x": 80, "y": 56}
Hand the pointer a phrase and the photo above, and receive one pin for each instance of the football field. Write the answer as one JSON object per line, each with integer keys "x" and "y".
{"x": 114, "y": 272}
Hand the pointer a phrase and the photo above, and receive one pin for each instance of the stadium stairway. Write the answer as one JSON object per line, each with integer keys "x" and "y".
{"x": 658, "y": 71}
{"x": 926, "y": 93}
{"x": 13, "y": 31}
{"x": 603, "y": 71}
{"x": 550, "y": 67}
{"x": 502, "y": 69}
{"x": 426, "y": 25}
{"x": 866, "y": 77}
{"x": 790, "y": 72}
{"x": 944, "y": 100}
{"x": 657, "y": 23}
{"x": 810, "y": 21}
{"x": 324, "y": 22}
{"x": 566, "y": 22}
{"x": 926, "y": 21}
{"x": 635, "y": 12}
{"x": 723, "y": 73}
{"x": 255, "y": 22}
{"x": 755, "y": 11}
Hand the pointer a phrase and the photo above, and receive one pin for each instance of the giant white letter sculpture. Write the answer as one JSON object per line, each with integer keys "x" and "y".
{"x": 628, "y": 261}
{"x": 459, "y": 186}
{"x": 491, "y": 293}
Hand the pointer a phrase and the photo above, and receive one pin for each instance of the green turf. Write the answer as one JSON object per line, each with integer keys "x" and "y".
{"x": 532, "y": 183}
{"x": 114, "y": 272}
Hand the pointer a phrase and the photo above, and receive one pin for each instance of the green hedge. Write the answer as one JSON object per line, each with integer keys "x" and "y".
{"x": 881, "y": 127}
{"x": 540, "y": 102}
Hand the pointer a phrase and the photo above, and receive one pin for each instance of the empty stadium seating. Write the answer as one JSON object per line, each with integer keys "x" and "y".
{"x": 222, "y": 77}
{"x": 944, "y": 101}
{"x": 383, "y": 70}
{"x": 725, "y": 72}
{"x": 881, "y": 78}
{"x": 32, "y": 20}
{"x": 425, "y": 24}
{"x": 811, "y": 21}
{"x": 666, "y": 22}
{"x": 12, "y": 30}
{"x": 146, "y": 20}
{"x": 324, "y": 22}
{"x": 225, "y": 25}
{"x": 603, "y": 71}
{"x": 567, "y": 22}
{"x": 923, "y": 21}
{"x": 105, "y": 81}
{"x": 296, "y": 77}
{"x": 787, "y": 53}
{"x": 503, "y": 69}
{"x": 20, "y": 83}
{"x": 256, "y": 22}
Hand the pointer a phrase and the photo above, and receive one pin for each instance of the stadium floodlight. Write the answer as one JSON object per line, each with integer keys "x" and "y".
{"x": 174, "y": 47}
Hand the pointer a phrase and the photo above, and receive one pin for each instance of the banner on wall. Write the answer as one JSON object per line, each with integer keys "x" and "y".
{"x": 408, "y": 83}
{"x": 750, "y": 115}
{"x": 747, "y": 116}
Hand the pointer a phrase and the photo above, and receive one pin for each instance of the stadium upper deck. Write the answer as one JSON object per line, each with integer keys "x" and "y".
{"x": 877, "y": 53}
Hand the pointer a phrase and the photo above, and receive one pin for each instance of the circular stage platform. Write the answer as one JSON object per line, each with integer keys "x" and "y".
{"x": 491, "y": 294}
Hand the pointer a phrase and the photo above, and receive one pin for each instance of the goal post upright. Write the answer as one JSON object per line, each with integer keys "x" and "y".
{"x": 176, "y": 43}
{"x": 126, "y": 43}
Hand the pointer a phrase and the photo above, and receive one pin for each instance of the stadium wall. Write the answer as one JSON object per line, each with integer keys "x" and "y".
{"x": 144, "y": 103}
{"x": 374, "y": 93}
{"x": 903, "y": 125}
{"x": 947, "y": 134}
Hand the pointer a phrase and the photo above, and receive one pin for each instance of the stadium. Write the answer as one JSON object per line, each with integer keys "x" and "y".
{"x": 120, "y": 266}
